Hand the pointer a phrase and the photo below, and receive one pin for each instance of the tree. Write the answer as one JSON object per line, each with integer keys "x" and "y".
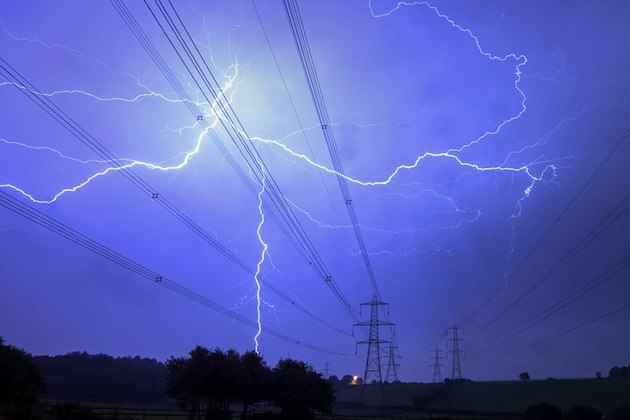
{"x": 598, "y": 375}
{"x": 524, "y": 376}
{"x": 21, "y": 382}
{"x": 256, "y": 379}
{"x": 335, "y": 382}
{"x": 346, "y": 380}
{"x": 297, "y": 389}
{"x": 223, "y": 381}
{"x": 186, "y": 377}
{"x": 582, "y": 412}
{"x": 211, "y": 381}
{"x": 120, "y": 380}
{"x": 619, "y": 372}
{"x": 543, "y": 411}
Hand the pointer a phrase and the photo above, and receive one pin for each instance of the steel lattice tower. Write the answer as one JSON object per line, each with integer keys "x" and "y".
{"x": 456, "y": 351}
{"x": 392, "y": 364}
{"x": 373, "y": 368}
{"x": 436, "y": 365}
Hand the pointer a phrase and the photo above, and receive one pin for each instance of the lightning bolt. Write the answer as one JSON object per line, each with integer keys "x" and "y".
{"x": 452, "y": 154}
{"x": 135, "y": 163}
{"x": 227, "y": 91}
{"x": 263, "y": 252}
{"x": 57, "y": 152}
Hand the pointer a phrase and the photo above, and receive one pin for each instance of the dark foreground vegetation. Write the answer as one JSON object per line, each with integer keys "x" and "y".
{"x": 210, "y": 382}
{"x": 216, "y": 384}
{"x": 103, "y": 379}
{"x": 206, "y": 384}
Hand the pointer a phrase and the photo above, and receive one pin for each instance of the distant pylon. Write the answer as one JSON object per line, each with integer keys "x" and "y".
{"x": 392, "y": 364}
{"x": 374, "y": 343}
{"x": 456, "y": 344}
{"x": 436, "y": 365}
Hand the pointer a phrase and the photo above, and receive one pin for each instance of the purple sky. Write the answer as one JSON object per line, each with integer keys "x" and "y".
{"x": 501, "y": 112}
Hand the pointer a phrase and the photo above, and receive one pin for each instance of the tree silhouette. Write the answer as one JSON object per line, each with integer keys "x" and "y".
{"x": 21, "y": 382}
{"x": 256, "y": 380}
{"x": 223, "y": 380}
{"x": 543, "y": 411}
{"x": 210, "y": 381}
{"x": 86, "y": 377}
{"x": 619, "y": 372}
{"x": 297, "y": 389}
{"x": 186, "y": 377}
{"x": 524, "y": 376}
{"x": 581, "y": 412}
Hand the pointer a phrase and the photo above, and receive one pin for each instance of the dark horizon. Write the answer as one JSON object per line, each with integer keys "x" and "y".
{"x": 341, "y": 374}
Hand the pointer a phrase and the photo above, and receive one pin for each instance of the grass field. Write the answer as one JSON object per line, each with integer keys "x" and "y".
{"x": 505, "y": 396}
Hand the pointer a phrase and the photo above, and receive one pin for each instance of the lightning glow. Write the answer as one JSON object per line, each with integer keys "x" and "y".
{"x": 452, "y": 154}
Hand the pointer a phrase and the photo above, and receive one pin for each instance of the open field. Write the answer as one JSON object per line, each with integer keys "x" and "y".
{"x": 462, "y": 400}
{"x": 499, "y": 396}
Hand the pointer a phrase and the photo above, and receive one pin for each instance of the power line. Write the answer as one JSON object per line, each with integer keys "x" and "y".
{"x": 86, "y": 242}
{"x": 301, "y": 42}
{"x": 297, "y": 116}
{"x": 47, "y": 105}
{"x": 613, "y": 215}
{"x": 562, "y": 303}
{"x": 575, "y": 328}
{"x": 146, "y": 43}
{"x": 617, "y": 148}
{"x": 237, "y": 133}
{"x": 300, "y": 38}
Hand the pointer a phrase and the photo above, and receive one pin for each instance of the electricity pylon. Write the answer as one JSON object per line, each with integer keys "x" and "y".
{"x": 436, "y": 365}
{"x": 456, "y": 344}
{"x": 392, "y": 364}
{"x": 373, "y": 367}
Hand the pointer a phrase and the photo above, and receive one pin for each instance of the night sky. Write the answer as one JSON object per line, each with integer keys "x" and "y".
{"x": 505, "y": 121}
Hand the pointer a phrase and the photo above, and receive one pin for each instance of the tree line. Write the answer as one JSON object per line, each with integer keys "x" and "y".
{"x": 208, "y": 382}
{"x": 619, "y": 372}
{"x": 102, "y": 378}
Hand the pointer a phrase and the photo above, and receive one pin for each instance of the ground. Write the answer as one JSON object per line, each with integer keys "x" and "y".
{"x": 500, "y": 396}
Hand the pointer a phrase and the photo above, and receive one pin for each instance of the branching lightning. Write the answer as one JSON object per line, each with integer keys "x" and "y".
{"x": 132, "y": 164}
{"x": 452, "y": 154}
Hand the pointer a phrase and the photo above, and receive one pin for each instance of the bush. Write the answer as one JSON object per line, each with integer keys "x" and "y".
{"x": 582, "y": 412}
{"x": 543, "y": 411}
